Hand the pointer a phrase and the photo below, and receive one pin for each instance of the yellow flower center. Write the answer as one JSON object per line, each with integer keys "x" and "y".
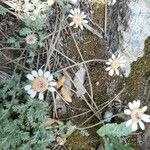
{"x": 136, "y": 114}
{"x": 115, "y": 64}
{"x": 40, "y": 84}
{"x": 77, "y": 19}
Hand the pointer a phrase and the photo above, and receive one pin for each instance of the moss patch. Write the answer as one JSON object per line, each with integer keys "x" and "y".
{"x": 140, "y": 71}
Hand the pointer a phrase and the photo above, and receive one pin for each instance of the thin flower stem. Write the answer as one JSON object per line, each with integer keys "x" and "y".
{"x": 82, "y": 113}
{"x": 55, "y": 109}
{"x": 106, "y": 16}
{"x": 51, "y": 48}
{"x": 81, "y": 63}
{"x": 14, "y": 61}
{"x": 92, "y": 30}
{"x": 88, "y": 75}
{"x": 62, "y": 97}
{"x": 65, "y": 56}
{"x": 83, "y": 97}
{"x": 104, "y": 106}
{"x": 47, "y": 36}
{"x": 101, "y": 122}
{"x": 12, "y": 48}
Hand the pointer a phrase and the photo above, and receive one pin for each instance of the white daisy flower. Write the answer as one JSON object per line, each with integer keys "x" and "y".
{"x": 115, "y": 63}
{"x": 31, "y": 39}
{"x": 78, "y": 18}
{"x": 40, "y": 82}
{"x": 137, "y": 115}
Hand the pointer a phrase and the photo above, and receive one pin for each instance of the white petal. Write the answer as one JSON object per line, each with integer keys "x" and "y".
{"x": 71, "y": 16}
{"x": 51, "y": 89}
{"x": 84, "y": 16}
{"x": 85, "y": 21}
{"x": 108, "y": 63}
{"x": 30, "y": 91}
{"x": 33, "y": 94}
{"x": 72, "y": 11}
{"x": 138, "y": 103}
{"x": 110, "y": 60}
{"x": 117, "y": 72}
{"x": 78, "y": 10}
{"x": 123, "y": 62}
{"x": 119, "y": 55}
{"x": 113, "y": 56}
{"x": 71, "y": 24}
{"x": 129, "y": 122}
{"x": 111, "y": 72}
{"x": 46, "y": 74}
{"x": 30, "y": 77}
{"x": 40, "y": 72}
{"x": 52, "y": 83}
{"x": 108, "y": 68}
{"x": 50, "y": 78}
{"x": 34, "y": 73}
{"x": 141, "y": 124}
{"x": 27, "y": 87}
{"x": 134, "y": 104}
{"x": 130, "y": 105}
{"x": 75, "y": 10}
{"x": 122, "y": 58}
{"x": 134, "y": 126}
{"x": 122, "y": 65}
{"x": 144, "y": 108}
{"x": 146, "y": 118}
{"x": 81, "y": 26}
{"x": 41, "y": 96}
{"x": 127, "y": 112}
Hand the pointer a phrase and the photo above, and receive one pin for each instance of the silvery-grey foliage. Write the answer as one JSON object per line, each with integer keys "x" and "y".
{"x": 3, "y": 76}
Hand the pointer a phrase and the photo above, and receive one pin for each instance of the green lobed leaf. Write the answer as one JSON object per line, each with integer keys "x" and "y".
{"x": 3, "y": 10}
{"x": 70, "y": 128}
{"x": 11, "y": 40}
{"x": 25, "y": 31}
{"x": 108, "y": 144}
{"x": 114, "y": 129}
{"x": 35, "y": 25}
{"x": 119, "y": 144}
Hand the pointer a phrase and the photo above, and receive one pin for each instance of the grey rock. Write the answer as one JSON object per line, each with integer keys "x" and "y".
{"x": 129, "y": 28}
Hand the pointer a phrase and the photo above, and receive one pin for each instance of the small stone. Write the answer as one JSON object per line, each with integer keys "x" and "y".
{"x": 108, "y": 116}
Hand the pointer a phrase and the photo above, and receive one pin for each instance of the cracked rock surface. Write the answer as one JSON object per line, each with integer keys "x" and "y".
{"x": 129, "y": 28}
